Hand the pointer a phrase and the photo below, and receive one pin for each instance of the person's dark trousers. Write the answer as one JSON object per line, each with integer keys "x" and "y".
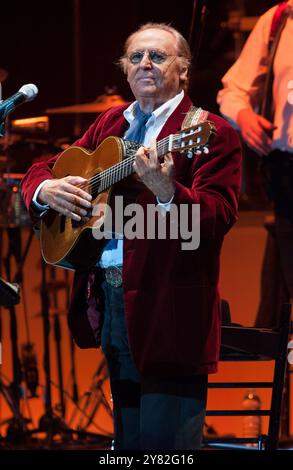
{"x": 149, "y": 413}
{"x": 277, "y": 269}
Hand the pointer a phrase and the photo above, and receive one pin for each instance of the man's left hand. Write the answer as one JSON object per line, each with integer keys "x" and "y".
{"x": 158, "y": 177}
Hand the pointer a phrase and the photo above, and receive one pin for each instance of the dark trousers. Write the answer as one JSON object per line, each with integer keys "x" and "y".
{"x": 277, "y": 268}
{"x": 149, "y": 413}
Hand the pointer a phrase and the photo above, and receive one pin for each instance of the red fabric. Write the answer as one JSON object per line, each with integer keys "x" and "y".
{"x": 277, "y": 20}
{"x": 171, "y": 296}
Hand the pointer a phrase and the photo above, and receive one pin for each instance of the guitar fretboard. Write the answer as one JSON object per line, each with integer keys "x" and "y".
{"x": 185, "y": 141}
{"x": 105, "y": 179}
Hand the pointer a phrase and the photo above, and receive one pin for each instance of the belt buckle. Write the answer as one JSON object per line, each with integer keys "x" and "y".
{"x": 113, "y": 276}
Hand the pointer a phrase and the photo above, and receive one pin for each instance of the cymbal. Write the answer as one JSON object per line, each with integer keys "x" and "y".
{"x": 102, "y": 103}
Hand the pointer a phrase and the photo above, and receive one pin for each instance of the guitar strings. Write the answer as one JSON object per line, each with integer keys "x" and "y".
{"x": 120, "y": 167}
{"x": 125, "y": 164}
{"x": 117, "y": 170}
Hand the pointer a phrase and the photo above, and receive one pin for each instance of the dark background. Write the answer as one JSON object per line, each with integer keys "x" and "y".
{"x": 38, "y": 46}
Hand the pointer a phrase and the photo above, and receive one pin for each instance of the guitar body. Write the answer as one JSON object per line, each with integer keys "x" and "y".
{"x": 71, "y": 244}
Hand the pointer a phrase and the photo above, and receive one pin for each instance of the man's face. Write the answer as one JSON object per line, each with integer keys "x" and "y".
{"x": 150, "y": 80}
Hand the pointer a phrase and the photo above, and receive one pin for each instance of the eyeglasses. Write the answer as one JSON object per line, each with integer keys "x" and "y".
{"x": 157, "y": 57}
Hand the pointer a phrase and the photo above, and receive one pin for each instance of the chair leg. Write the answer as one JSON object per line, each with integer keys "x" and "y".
{"x": 279, "y": 377}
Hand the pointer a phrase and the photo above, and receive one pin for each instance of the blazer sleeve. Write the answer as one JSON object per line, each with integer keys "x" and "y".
{"x": 41, "y": 171}
{"x": 216, "y": 179}
{"x": 213, "y": 183}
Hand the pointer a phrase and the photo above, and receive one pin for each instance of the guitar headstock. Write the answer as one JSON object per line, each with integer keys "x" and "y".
{"x": 193, "y": 139}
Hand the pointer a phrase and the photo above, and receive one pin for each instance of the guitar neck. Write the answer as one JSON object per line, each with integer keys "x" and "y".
{"x": 186, "y": 141}
{"x": 121, "y": 170}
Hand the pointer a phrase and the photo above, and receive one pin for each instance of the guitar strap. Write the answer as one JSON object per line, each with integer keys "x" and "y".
{"x": 277, "y": 26}
{"x": 194, "y": 116}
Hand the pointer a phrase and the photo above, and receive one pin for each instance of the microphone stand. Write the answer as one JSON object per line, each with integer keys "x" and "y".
{"x": 57, "y": 335}
{"x": 72, "y": 346}
{"x": 17, "y": 425}
{"x": 16, "y": 429}
{"x": 3, "y": 116}
{"x": 49, "y": 422}
{"x": 2, "y": 128}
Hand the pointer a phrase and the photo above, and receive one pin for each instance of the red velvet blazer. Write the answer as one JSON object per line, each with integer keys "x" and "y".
{"x": 172, "y": 304}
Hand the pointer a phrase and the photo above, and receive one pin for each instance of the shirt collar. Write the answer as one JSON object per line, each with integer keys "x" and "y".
{"x": 163, "y": 112}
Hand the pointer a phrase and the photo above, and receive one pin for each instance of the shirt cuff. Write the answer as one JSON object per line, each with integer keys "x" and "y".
{"x": 165, "y": 205}
{"x": 41, "y": 208}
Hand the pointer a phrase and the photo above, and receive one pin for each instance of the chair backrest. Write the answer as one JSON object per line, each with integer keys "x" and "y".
{"x": 256, "y": 344}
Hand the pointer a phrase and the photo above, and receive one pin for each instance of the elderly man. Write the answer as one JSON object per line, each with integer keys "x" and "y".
{"x": 160, "y": 326}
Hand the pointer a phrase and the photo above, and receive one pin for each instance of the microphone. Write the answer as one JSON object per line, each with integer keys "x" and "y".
{"x": 25, "y": 93}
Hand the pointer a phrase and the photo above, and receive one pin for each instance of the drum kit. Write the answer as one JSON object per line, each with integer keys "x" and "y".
{"x": 27, "y": 141}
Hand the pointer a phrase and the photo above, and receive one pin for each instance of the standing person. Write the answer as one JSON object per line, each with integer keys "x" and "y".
{"x": 154, "y": 306}
{"x": 256, "y": 99}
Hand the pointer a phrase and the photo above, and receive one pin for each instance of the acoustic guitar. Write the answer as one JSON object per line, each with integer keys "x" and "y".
{"x": 72, "y": 245}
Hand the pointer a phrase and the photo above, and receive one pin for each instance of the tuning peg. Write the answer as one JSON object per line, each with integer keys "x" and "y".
{"x": 189, "y": 154}
{"x": 206, "y": 150}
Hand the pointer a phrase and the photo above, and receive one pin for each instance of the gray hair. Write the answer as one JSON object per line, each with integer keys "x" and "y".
{"x": 183, "y": 48}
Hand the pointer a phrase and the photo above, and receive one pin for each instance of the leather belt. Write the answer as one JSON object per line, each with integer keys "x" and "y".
{"x": 113, "y": 275}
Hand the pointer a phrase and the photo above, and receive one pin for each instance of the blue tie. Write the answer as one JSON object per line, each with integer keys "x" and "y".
{"x": 137, "y": 129}
{"x": 136, "y": 133}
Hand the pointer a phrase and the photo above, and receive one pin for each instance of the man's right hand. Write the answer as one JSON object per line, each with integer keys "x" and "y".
{"x": 64, "y": 196}
{"x": 256, "y": 131}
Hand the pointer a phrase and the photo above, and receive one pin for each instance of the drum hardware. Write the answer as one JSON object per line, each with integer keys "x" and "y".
{"x": 13, "y": 212}
{"x": 11, "y": 220}
{"x": 33, "y": 125}
{"x": 101, "y": 104}
{"x": 53, "y": 286}
{"x": 92, "y": 399}
{"x": 17, "y": 430}
{"x": 17, "y": 425}
{"x": 30, "y": 368}
{"x": 23, "y": 151}
{"x": 49, "y": 422}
